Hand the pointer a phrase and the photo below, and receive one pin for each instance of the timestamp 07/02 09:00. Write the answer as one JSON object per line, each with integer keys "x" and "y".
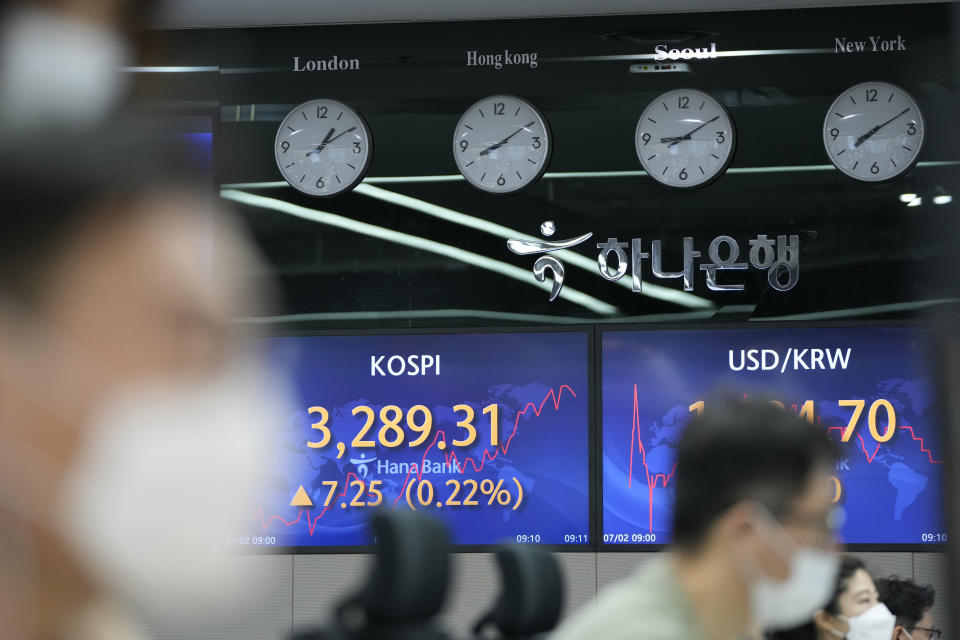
{"x": 253, "y": 540}
{"x": 630, "y": 538}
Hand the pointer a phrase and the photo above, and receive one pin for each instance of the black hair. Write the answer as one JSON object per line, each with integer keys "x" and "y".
{"x": 906, "y": 599}
{"x": 849, "y": 565}
{"x": 741, "y": 449}
{"x": 54, "y": 186}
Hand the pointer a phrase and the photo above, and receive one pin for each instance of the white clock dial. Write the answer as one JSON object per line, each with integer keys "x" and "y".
{"x": 873, "y": 131}
{"x": 685, "y": 139}
{"x": 323, "y": 147}
{"x": 501, "y": 144}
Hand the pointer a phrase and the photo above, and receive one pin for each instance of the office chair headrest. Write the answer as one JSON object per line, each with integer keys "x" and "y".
{"x": 411, "y": 569}
{"x": 532, "y": 594}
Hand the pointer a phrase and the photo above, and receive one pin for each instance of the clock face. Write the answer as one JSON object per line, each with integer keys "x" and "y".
{"x": 501, "y": 144}
{"x": 323, "y": 148}
{"x": 873, "y": 131}
{"x": 685, "y": 139}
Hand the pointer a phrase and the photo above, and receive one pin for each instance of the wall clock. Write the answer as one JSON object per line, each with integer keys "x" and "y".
{"x": 685, "y": 139}
{"x": 323, "y": 148}
{"x": 502, "y": 144}
{"x": 873, "y": 132}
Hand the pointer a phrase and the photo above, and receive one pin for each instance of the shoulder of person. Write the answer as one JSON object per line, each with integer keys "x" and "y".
{"x": 643, "y": 604}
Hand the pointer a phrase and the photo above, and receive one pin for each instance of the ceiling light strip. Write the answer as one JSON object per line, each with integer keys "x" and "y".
{"x": 739, "y": 53}
{"x": 566, "y": 175}
{"x": 656, "y": 291}
{"x": 413, "y": 314}
{"x": 484, "y": 314}
{"x": 195, "y": 69}
{"x": 331, "y": 219}
{"x": 860, "y": 311}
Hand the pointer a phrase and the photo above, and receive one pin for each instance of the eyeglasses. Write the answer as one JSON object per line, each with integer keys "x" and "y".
{"x": 934, "y": 632}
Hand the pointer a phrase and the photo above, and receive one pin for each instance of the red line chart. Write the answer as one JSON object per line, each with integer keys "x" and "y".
{"x": 871, "y": 456}
{"x": 311, "y": 520}
{"x": 651, "y": 478}
{"x": 450, "y": 458}
{"x": 654, "y": 480}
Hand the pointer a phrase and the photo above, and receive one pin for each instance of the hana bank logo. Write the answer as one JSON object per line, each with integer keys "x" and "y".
{"x": 779, "y": 256}
{"x": 361, "y": 464}
{"x": 531, "y": 247}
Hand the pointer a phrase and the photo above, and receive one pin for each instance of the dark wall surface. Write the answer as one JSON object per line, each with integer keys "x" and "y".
{"x": 862, "y": 248}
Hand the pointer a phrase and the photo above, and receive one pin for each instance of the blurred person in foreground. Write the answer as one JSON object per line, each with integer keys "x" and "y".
{"x": 854, "y": 612}
{"x": 753, "y": 534}
{"x": 61, "y": 61}
{"x": 912, "y": 605}
{"x": 132, "y": 413}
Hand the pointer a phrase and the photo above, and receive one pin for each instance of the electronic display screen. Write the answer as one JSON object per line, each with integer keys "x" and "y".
{"x": 869, "y": 387}
{"x": 488, "y": 431}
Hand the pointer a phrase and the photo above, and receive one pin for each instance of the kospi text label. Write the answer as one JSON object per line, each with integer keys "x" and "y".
{"x": 409, "y": 365}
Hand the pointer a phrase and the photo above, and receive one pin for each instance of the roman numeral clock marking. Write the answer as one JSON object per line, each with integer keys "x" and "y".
{"x": 498, "y": 136}
{"x": 685, "y": 139}
{"x": 312, "y": 153}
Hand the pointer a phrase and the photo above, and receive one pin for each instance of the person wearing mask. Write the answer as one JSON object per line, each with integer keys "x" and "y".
{"x": 854, "y": 611}
{"x": 61, "y": 61}
{"x": 133, "y": 413}
{"x": 912, "y": 605}
{"x": 753, "y": 534}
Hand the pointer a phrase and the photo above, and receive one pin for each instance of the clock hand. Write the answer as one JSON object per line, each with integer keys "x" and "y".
{"x": 870, "y": 133}
{"x": 505, "y": 140}
{"x": 687, "y": 137}
{"x": 323, "y": 143}
{"x": 340, "y": 134}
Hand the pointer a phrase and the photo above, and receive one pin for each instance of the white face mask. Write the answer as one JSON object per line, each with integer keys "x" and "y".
{"x": 809, "y": 585}
{"x": 876, "y": 623}
{"x": 58, "y": 71}
{"x": 165, "y": 474}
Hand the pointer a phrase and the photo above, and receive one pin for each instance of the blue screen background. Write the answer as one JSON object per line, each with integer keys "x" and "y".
{"x": 891, "y": 492}
{"x": 549, "y": 453}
